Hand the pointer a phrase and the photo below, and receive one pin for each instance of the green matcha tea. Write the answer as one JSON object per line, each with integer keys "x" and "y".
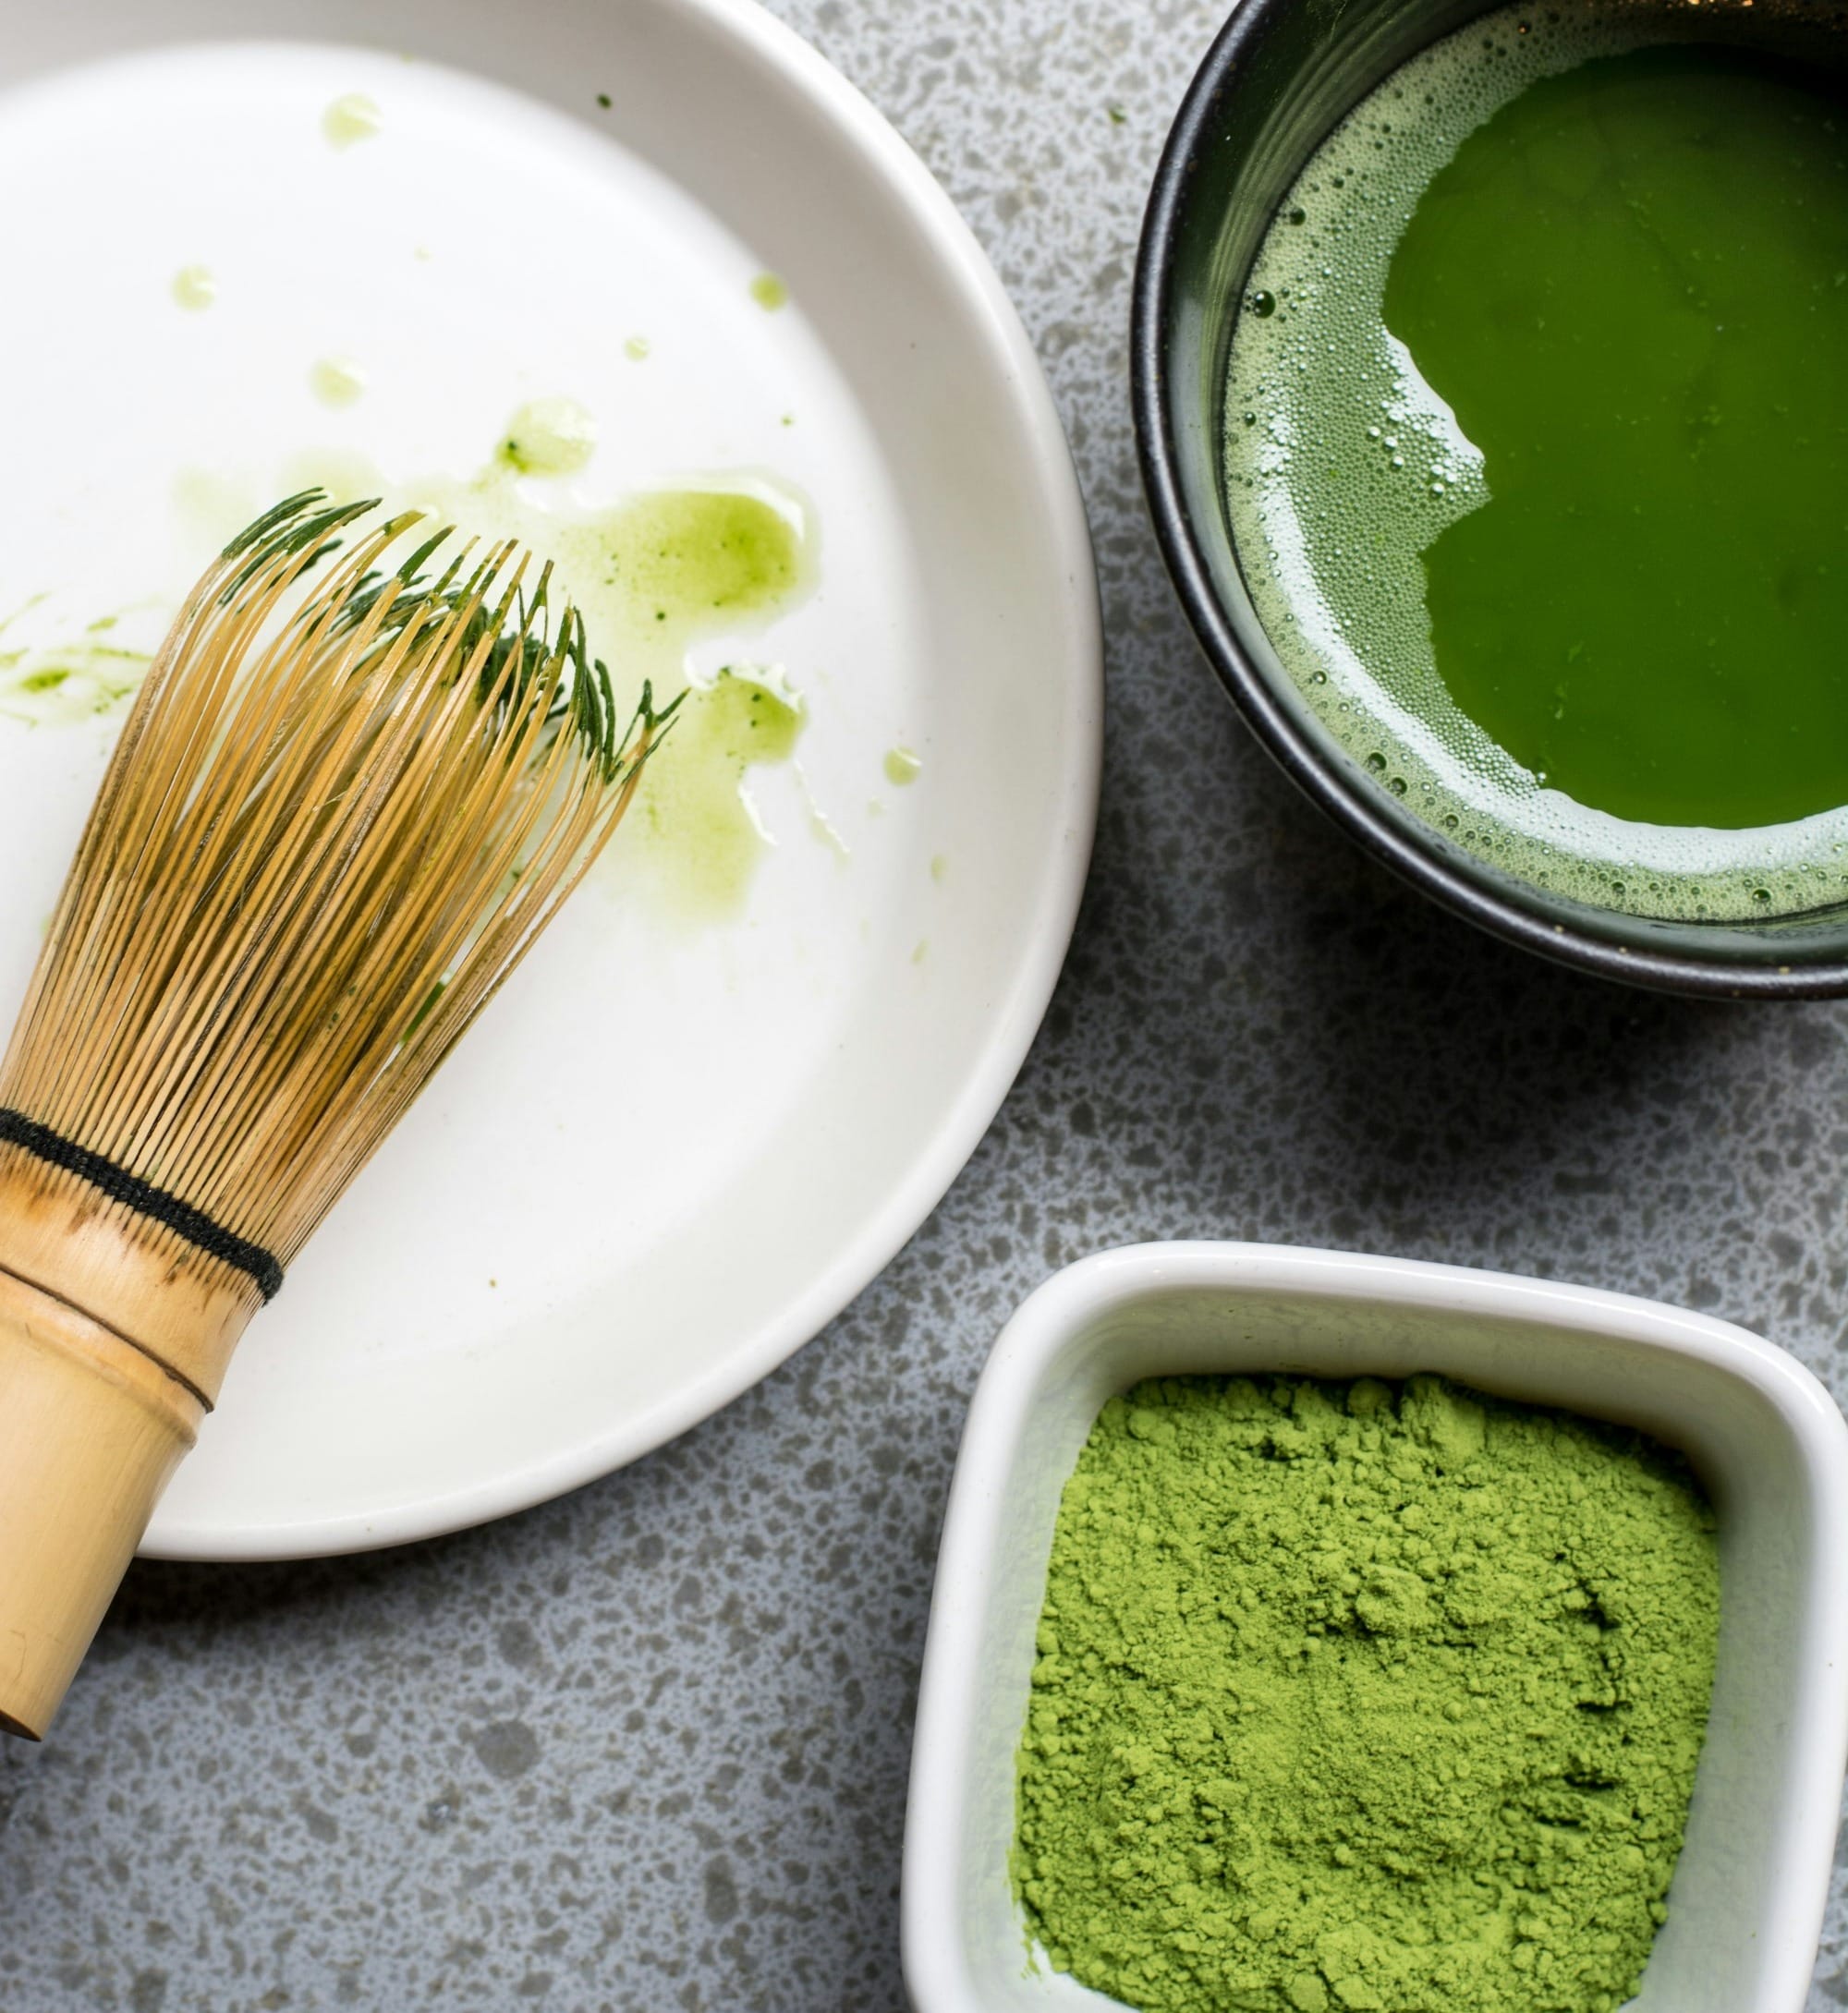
{"x": 1536, "y": 448}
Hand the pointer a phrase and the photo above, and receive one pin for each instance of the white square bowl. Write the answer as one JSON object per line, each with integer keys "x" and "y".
{"x": 1765, "y": 1438}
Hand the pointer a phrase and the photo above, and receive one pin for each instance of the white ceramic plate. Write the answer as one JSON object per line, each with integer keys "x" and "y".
{"x": 673, "y": 1148}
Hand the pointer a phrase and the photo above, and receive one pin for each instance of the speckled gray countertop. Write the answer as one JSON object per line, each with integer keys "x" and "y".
{"x": 646, "y": 1748}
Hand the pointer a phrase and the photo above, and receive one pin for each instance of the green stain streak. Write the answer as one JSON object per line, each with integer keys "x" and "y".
{"x": 693, "y": 797}
{"x": 65, "y": 685}
{"x": 1622, "y": 283}
{"x": 678, "y": 565}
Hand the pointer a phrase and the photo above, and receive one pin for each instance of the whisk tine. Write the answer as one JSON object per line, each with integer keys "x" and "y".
{"x": 136, "y": 833}
{"x": 202, "y": 843}
{"x": 353, "y": 786}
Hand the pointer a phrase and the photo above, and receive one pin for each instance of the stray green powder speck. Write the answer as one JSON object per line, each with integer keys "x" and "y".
{"x": 1371, "y": 1698}
{"x": 549, "y": 436}
{"x": 337, "y": 381}
{"x": 350, "y": 119}
{"x": 194, "y": 288}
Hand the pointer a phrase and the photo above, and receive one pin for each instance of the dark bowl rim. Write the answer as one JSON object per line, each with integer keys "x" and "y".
{"x": 1278, "y": 731}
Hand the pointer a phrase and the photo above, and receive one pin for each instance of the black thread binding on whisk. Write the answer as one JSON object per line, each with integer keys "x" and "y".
{"x": 144, "y": 1198}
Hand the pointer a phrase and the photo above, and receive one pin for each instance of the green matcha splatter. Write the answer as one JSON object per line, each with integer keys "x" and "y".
{"x": 549, "y": 436}
{"x": 902, "y": 766}
{"x": 635, "y": 348}
{"x": 60, "y": 686}
{"x": 351, "y": 118}
{"x": 652, "y": 576}
{"x": 769, "y": 291}
{"x": 194, "y": 288}
{"x": 699, "y": 558}
{"x": 337, "y": 381}
{"x": 1366, "y": 1698}
{"x": 695, "y": 801}
{"x": 666, "y": 569}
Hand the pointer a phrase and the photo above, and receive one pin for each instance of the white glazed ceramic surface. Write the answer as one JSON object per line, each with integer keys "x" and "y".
{"x": 1765, "y": 1438}
{"x": 671, "y": 1150}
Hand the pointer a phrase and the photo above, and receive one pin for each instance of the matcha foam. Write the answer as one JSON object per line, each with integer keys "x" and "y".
{"x": 1343, "y": 465}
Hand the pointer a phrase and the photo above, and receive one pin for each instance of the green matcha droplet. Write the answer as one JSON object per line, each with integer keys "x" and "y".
{"x": 351, "y": 118}
{"x": 903, "y": 767}
{"x": 194, "y": 288}
{"x": 337, "y": 381}
{"x": 549, "y": 436}
{"x": 769, "y": 291}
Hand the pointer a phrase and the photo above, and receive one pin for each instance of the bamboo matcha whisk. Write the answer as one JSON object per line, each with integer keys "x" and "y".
{"x": 365, "y": 770}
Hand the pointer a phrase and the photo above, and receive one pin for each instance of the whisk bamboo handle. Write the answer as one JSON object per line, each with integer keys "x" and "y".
{"x": 110, "y": 1357}
{"x": 91, "y": 1429}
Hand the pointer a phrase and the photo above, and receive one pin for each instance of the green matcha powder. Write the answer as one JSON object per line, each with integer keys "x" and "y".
{"x": 1363, "y": 1696}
